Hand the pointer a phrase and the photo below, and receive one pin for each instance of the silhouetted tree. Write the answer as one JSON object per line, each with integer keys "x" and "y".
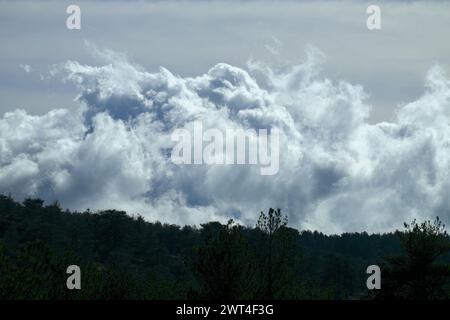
{"x": 419, "y": 274}
{"x": 222, "y": 262}
{"x": 270, "y": 225}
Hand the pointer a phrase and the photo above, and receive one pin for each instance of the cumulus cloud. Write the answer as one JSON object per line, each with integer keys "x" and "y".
{"x": 337, "y": 171}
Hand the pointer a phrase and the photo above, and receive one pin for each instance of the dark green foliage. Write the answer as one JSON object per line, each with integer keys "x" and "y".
{"x": 124, "y": 257}
{"x": 420, "y": 273}
{"x": 277, "y": 242}
{"x": 222, "y": 265}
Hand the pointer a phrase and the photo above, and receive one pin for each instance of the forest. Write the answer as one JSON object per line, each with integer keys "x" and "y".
{"x": 126, "y": 257}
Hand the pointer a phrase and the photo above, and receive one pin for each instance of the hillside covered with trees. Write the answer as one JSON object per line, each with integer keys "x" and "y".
{"x": 124, "y": 257}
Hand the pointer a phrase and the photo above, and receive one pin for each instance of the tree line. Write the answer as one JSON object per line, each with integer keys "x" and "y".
{"x": 126, "y": 257}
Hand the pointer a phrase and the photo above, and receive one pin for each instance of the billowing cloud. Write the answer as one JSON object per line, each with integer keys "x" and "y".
{"x": 337, "y": 171}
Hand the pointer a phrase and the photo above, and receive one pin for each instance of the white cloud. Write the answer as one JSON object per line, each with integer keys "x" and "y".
{"x": 337, "y": 171}
{"x": 25, "y": 67}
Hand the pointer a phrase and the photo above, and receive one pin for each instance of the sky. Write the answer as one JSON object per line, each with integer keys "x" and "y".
{"x": 86, "y": 115}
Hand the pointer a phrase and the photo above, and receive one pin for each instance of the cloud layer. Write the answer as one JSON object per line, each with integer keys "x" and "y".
{"x": 337, "y": 171}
